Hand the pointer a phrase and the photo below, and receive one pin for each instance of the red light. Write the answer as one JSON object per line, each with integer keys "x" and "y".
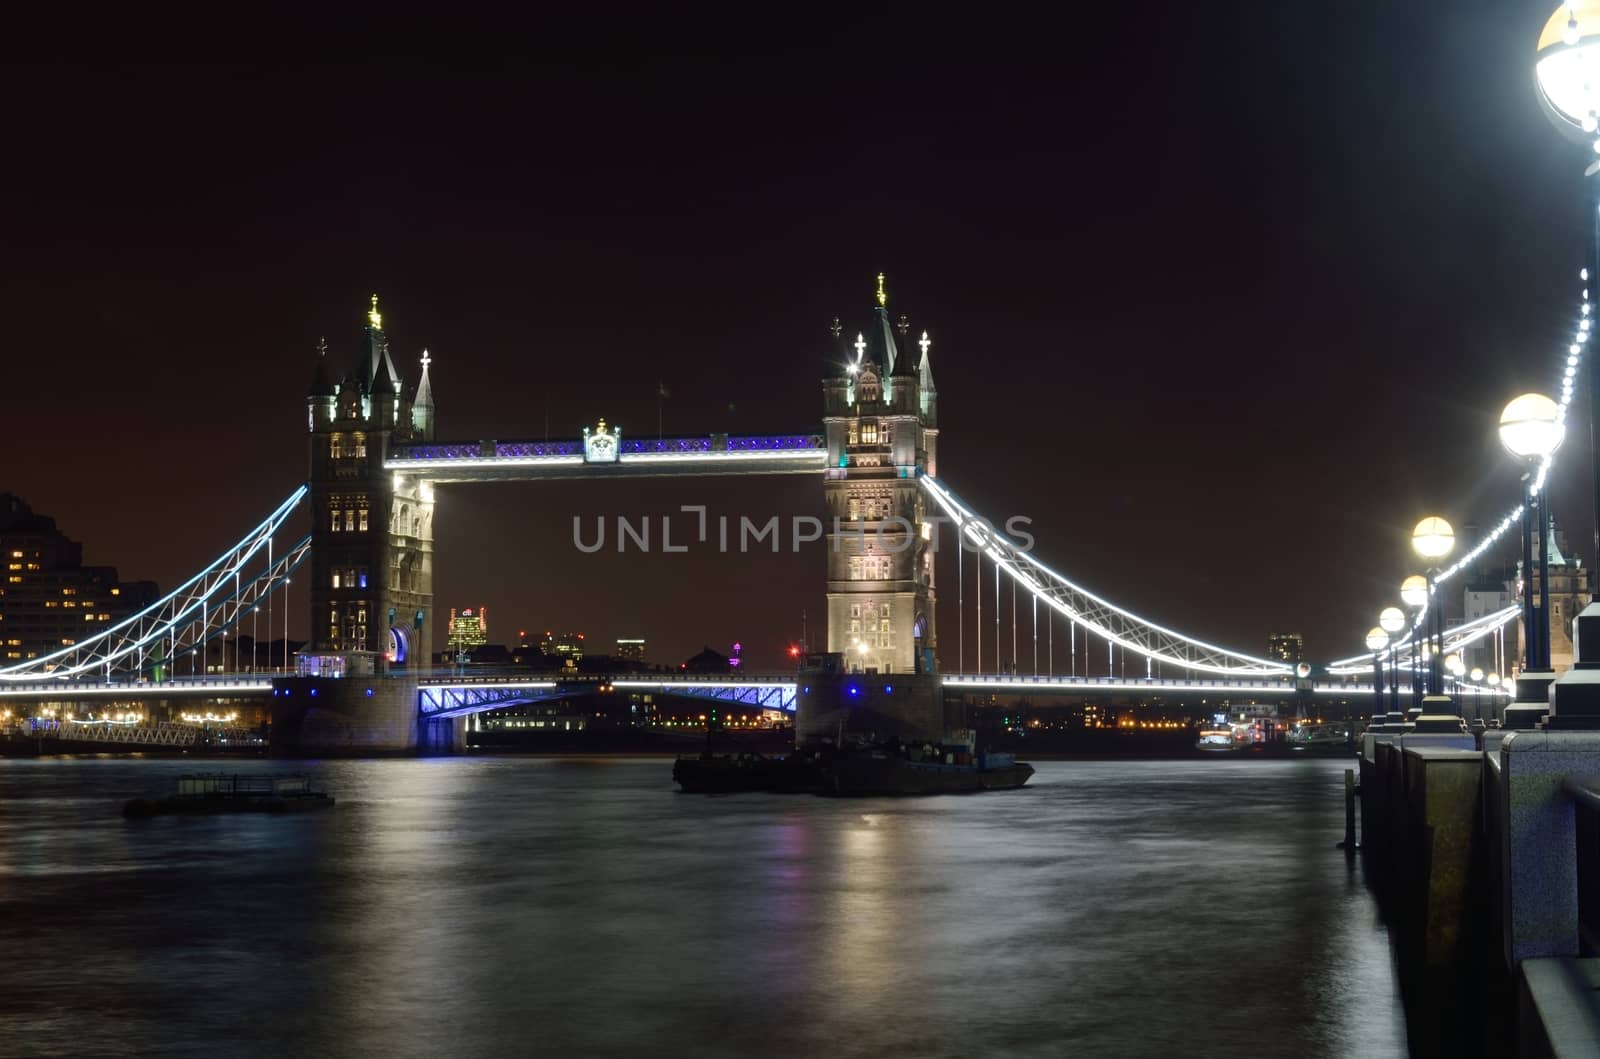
{"x": 794, "y": 652}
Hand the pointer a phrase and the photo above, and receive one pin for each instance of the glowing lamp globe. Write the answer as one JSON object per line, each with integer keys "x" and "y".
{"x": 1569, "y": 45}
{"x": 1530, "y": 426}
{"x": 1493, "y": 680}
{"x": 1476, "y": 675}
{"x": 1433, "y": 538}
{"x": 1391, "y": 620}
{"x": 1377, "y": 639}
{"x": 1414, "y": 590}
{"x": 1455, "y": 665}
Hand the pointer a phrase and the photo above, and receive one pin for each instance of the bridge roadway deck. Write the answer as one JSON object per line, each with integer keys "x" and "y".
{"x": 750, "y": 689}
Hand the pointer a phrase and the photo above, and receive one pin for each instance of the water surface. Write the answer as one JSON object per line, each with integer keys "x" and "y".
{"x": 494, "y": 906}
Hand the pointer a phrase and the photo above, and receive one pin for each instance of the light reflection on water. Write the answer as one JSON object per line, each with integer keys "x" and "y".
{"x": 520, "y": 905}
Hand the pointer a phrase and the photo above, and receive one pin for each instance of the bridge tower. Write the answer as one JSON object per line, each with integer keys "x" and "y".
{"x": 881, "y": 420}
{"x": 372, "y": 532}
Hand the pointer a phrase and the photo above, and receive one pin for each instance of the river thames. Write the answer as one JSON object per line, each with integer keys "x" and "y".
{"x": 498, "y": 906}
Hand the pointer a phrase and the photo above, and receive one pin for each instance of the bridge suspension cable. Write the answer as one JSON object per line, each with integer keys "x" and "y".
{"x": 1115, "y": 625}
{"x": 1574, "y": 361}
{"x": 168, "y": 621}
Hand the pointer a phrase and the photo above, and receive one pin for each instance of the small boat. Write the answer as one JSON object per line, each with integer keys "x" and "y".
{"x": 1215, "y": 739}
{"x": 233, "y": 794}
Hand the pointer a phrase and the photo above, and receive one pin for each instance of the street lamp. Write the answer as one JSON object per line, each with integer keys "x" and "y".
{"x": 1531, "y": 430}
{"x": 1414, "y": 594}
{"x": 1391, "y": 620}
{"x": 1564, "y": 60}
{"x": 1377, "y": 640}
{"x": 1432, "y": 539}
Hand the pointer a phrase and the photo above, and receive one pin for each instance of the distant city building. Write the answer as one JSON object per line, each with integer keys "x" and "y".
{"x": 629, "y": 650}
{"x": 49, "y": 599}
{"x": 707, "y": 661}
{"x": 1286, "y": 647}
{"x": 568, "y": 646}
{"x": 468, "y": 631}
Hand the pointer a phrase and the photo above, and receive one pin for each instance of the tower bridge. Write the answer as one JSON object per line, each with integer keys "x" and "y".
{"x": 374, "y": 465}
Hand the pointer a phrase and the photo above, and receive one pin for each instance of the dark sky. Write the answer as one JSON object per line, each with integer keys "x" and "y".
{"x": 1223, "y": 297}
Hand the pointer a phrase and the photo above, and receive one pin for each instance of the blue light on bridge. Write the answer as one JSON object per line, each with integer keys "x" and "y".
{"x": 888, "y": 689}
{"x": 855, "y": 690}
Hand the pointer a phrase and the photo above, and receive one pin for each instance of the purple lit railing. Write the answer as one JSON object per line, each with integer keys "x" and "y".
{"x": 633, "y": 446}
{"x": 535, "y": 449}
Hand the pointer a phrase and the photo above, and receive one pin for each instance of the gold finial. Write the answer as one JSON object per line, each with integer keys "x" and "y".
{"x": 883, "y": 295}
{"x": 374, "y": 317}
{"x": 601, "y": 429}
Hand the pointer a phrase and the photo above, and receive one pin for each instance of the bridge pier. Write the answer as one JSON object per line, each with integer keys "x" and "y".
{"x": 830, "y": 704}
{"x": 362, "y": 714}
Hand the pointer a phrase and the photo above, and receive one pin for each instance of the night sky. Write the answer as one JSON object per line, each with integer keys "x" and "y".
{"x": 1224, "y": 301}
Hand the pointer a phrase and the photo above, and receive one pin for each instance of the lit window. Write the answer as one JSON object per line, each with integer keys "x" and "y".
{"x": 33, "y": 566}
{"x": 14, "y": 579}
{"x": 13, "y": 566}
{"x": 116, "y": 591}
{"x": 52, "y": 604}
{"x": 363, "y": 523}
{"x": 67, "y": 641}
{"x": 16, "y": 555}
{"x": 349, "y": 521}
{"x": 361, "y": 445}
{"x": 336, "y": 579}
{"x": 333, "y": 524}
{"x": 361, "y": 579}
{"x": 855, "y": 626}
{"x": 336, "y": 447}
{"x": 105, "y": 617}
{"x": 869, "y": 432}
{"x": 89, "y": 617}
{"x": 69, "y": 592}
{"x": 855, "y": 508}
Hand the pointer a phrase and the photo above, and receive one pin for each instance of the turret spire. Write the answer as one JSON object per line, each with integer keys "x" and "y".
{"x": 374, "y": 317}
{"x": 883, "y": 295}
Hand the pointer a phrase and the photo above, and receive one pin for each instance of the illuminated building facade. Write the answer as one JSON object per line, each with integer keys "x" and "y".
{"x": 1569, "y": 594}
{"x": 568, "y": 646}
{"x": 1287, "y": 646}
{"x": 468, "y": 629}
{"x": 48, "y": 598}
{"x": 880, "y": 418}
{"x": 372, "y": 532}
{"x": 629, "y": 650}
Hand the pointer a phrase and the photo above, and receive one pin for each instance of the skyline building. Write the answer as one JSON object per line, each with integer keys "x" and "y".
{"x": 1287, "y": 646}
{"x": 49, "y": 599}
{"x": 467, "y": 630}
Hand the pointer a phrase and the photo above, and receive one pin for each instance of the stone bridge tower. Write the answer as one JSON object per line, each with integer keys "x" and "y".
{"x": 372, "y": 530}
{"x": 880, "y": 417}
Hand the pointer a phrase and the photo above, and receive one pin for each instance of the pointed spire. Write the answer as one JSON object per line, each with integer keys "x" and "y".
{"x": 883, "y": 295}
{"x": 374, "y": 317}
{"x": 925, "y": 368}
{"x": 1556, "y": 558}
{"x": 424, "y": 398}
{"x": 322, "y": 379}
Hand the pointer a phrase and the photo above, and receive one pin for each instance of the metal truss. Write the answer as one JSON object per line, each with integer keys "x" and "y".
{"x": 456, "y": 700}
{"x": 166, "y": 626}
{"x": 1079, "y": 605}
{"x": 762, "y": 694}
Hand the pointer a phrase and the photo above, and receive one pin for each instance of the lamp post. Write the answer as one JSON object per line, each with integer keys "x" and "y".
{"x": 1476, "y": 676}
{"x": 1432, "y": 540}
{"x": 1391, "y": 620}
{"x": 1377, "y": 640}
{"x": 1414, "y": 594}
{"x": 1564, "y": 59}
{"x": 1531, "y": 430}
